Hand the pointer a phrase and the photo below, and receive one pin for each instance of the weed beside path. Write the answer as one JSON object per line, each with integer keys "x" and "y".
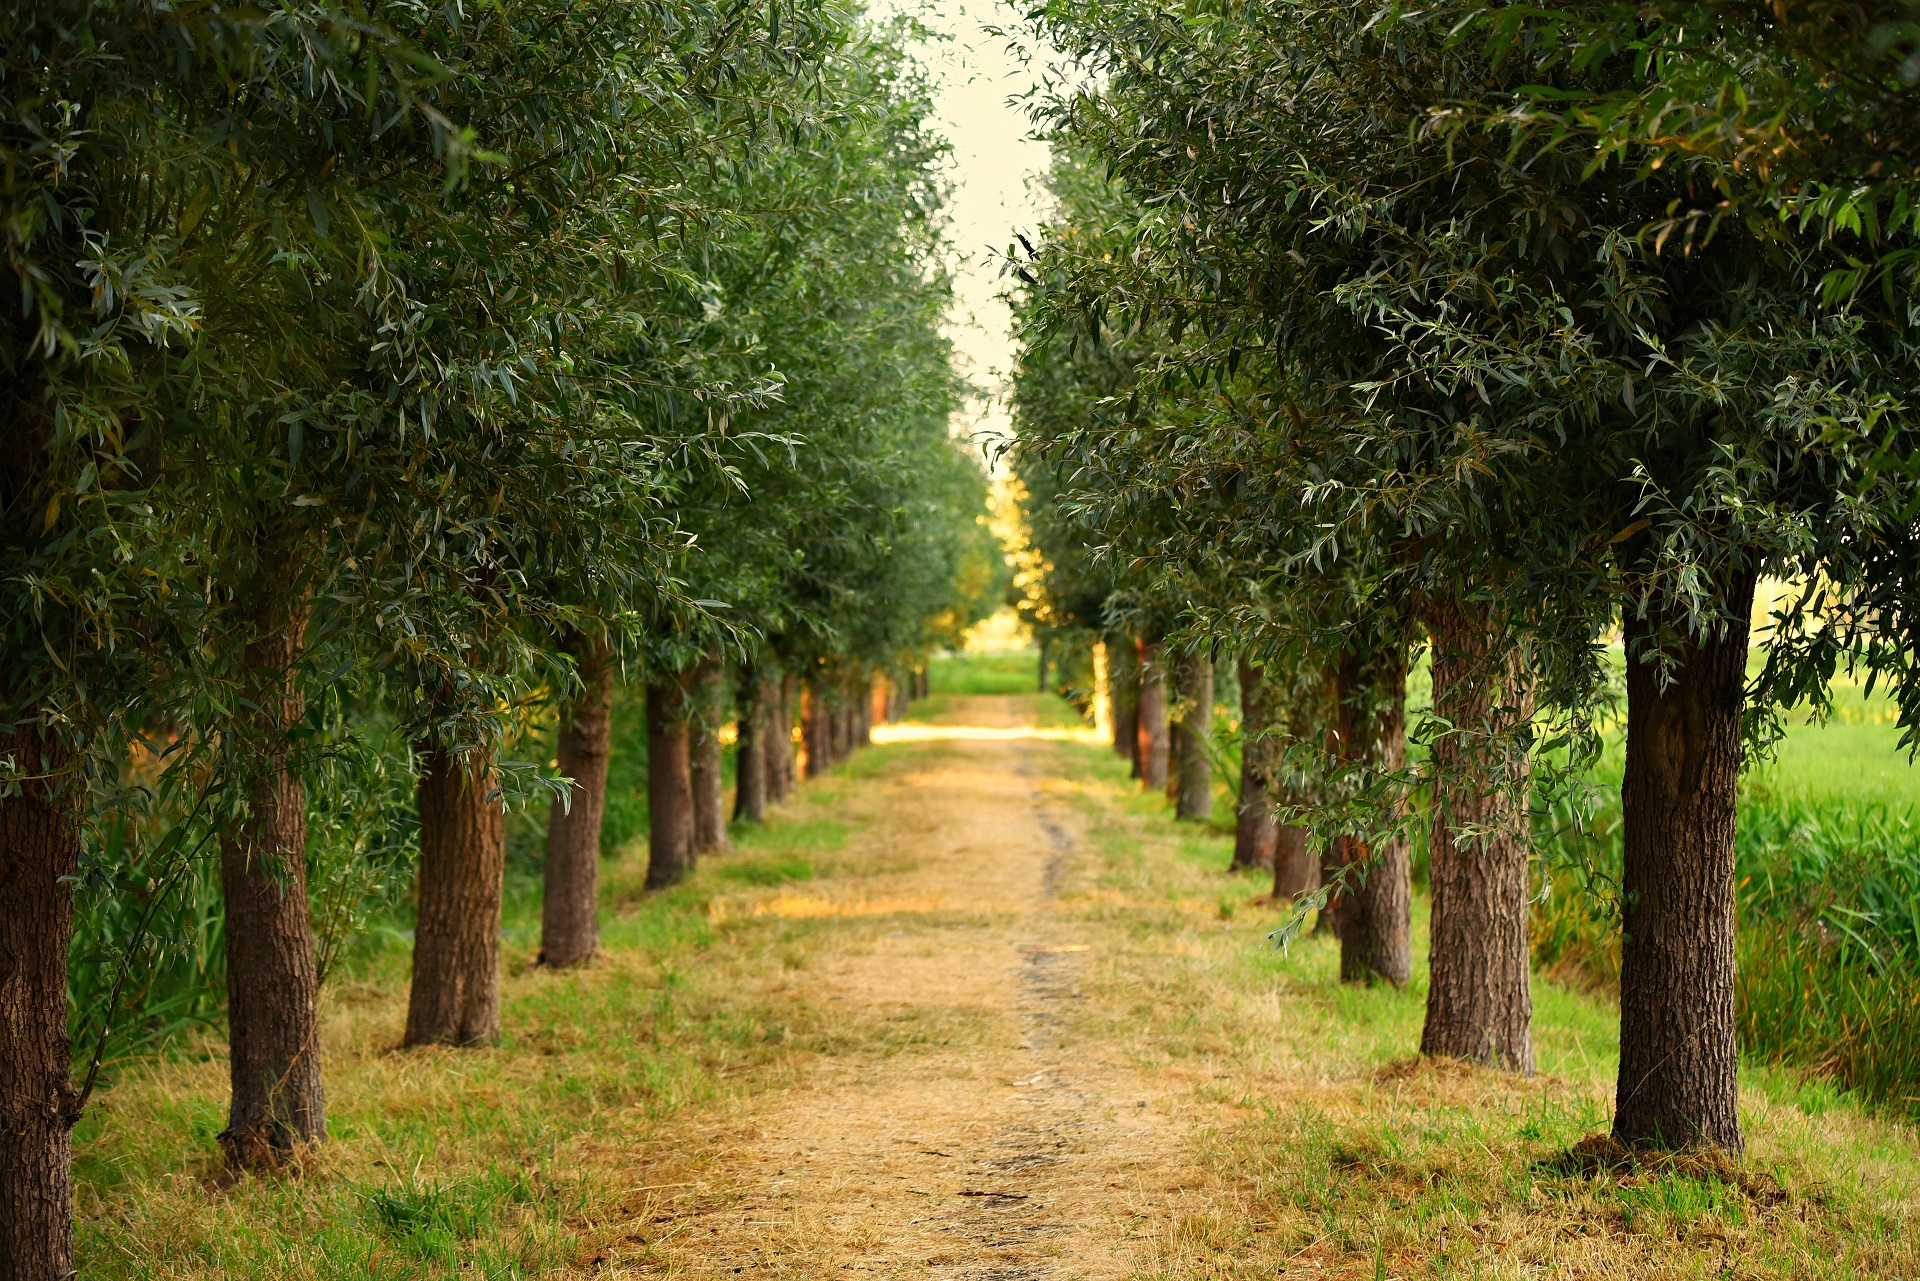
{"x": 969, "y": 1008}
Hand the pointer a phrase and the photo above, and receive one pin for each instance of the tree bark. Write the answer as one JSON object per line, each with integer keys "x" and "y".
{"x": 1679, "y": 1061}
{"x": 1123, "y": 688}
{"x": 570, "y": 906}
{"x": 1375, "y": 916}
{"x": 703, "y": 748}
{"x": 1154, "y": 744}
{"x": 786, "y": 767}
{"x": 863, "y": 712}
{"x": 1255, "y": 833}
{"x": 39, "y": 853}
{"x": 1194, "y": 787}
{"x": 817, "y": 729}
{"x": 455, "y": 998}
{"x": 670, "y": 847}
{"x": 1479, "y": 996}
{"x": 273, "y": 979}
{"x": 753, "y": 754}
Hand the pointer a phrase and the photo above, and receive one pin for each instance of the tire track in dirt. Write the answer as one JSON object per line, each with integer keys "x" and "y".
{"x": 1026, "y": 1155}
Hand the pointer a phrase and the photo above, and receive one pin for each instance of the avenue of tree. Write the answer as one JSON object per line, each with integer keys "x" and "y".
{"x": 381, "y": 380}
{"x": 1507, "y": 334}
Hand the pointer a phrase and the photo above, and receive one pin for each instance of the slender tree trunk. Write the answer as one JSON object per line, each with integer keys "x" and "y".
{"x": 455, "y": 999}
{"x": 863, "y": 712}
{"x": 1479, "y": 997}
{"x": 925, "y": 679}
{"x": 896, "y": 699}
{"x": 570, "y": 907}
{"x": 273, "y": 980}
{"x": 39, "y": 854}
{"x": 1375, "y": 916}
{"x": 818, "y": 731}
{"x": 1678, "y": 1082}
{"x": 1044, "y": 641}
{"x": 670, "y": 847}
{"x": 1255, "y": 833}
{"x": 1195, "y": 783}
{"x": 1123, "y": 684}
{"x": 1154, "y": 744}
{"x": 786, "y": 766}
{"x": 752, "y": 762}
{"x": 703, "y": 747}
{"x": 842, "y": 731}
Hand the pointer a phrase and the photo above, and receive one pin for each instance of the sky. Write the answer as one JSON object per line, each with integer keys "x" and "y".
{"x": 994, "y": 172}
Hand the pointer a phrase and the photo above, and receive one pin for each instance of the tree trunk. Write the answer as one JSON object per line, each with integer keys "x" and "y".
{"x": 273, "y": 980}
{"x": 786, "y": 766}
{"x": 1044, "y": 640}
{"x": 670, "y": 847}
{"x": 1195, "y": 783}
{"x": 570, "y": 907}
{"x": 1154, "y": 745}
{"x": 753, "y": 754}
{"x": 39, "y": 854}
{"x": 1123, "y": 685}
{"x": 703, "y": 748}
{"x": 455, "y": 998}
{"x": 1255, "y": 833}
{"x": 818, "y": 732}
{"x": 1375, "y": 917}
{"x": 842, "y": 731}
{"x": 863, "y": 712}
{"x": 1678, "y": 1057}
{"x": 925, "y": 681}
{"x": 1295, "y": 869}
{"x": 1479, "y": 997}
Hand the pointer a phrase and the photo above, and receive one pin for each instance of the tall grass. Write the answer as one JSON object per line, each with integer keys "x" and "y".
{"x": 1829, "y": 930}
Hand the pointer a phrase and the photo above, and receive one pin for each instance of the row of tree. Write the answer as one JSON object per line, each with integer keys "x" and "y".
{"x": 1511, "y": 333}
{"x": 386, "y": 378}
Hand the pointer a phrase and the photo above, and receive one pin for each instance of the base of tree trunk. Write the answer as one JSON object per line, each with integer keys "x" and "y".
{"x": 455, "y": 997}
{"x": 670, "y": 847}
{"x": 1479, "y": 994}
{"x": 570, "y": 909}
{"x": 1193, "y": 789}
{"x": 39, "y": 852}
{"x": 752, "y": 758}
{"x": 1679, "y": 1059}
{"x": 1375, "y": 918}
{"x": 1155, "y": 746}
{"x": 703, "y": 752}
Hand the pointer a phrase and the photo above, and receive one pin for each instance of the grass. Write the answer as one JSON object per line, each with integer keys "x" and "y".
{"x": 1016, "y": 673}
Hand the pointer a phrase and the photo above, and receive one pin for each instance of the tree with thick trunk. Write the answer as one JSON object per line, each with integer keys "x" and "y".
{"x": 753, "y": 751}
{"x": 1194, "y": 786}
{"x": 1154, "y": 745}
{"x": 708, "y": 689}
{"x": 1375, "y": 916}
{"x": 39, "y": 854}
{"x": 1479, "y": 995}
{"x": 670, "y": 847}
{"x": 273, "y": 979}
{"x": 570, "y": 908}
{"x": 455, "y": 997}
{"x": 786, "y": 766}
{"x": 1255, "y": 833}
{"x": 1679, "y": 1061}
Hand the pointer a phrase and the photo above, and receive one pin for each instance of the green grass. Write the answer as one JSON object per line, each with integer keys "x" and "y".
{"x": 1017, "y": 673}
{"x": 1854, "y": 756}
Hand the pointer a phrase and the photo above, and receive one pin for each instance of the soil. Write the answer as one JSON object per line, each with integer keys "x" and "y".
{"x": 1026, "y": 1150}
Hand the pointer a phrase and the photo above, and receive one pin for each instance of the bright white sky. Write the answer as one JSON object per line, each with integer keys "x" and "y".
{"x": 995, "y": 168}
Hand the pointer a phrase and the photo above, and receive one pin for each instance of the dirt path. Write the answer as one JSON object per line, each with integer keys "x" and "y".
{"x": 1031, "y": 1152}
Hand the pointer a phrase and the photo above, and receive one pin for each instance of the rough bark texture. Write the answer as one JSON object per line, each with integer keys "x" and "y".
{"x": 1479, "y": 997}
{"x": 570, "y": 909}
{"x": 703, "y": 750}
{"x": 1375, "y": 915}
{"x": 39, "y": 847}
{"x": 1154, "y": 744}
{"x": 1678, "y": 1057}
{"x": 1295, "y": 869}
{"x": 1194, "y": 786}
{"x": 670, "y": 848}
{"x": 1254, "y": 832}
{"x": 455, "y": 999}
{"x": 752, "y": 762}
{"x": 273, "y": 979}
